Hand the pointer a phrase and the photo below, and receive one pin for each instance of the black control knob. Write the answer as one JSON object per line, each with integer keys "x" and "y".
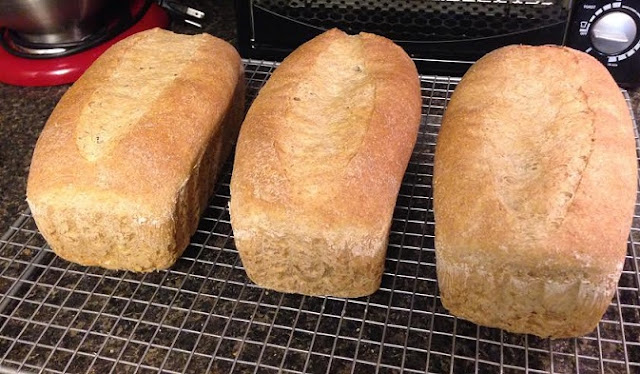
{"x": 613, "y": 32}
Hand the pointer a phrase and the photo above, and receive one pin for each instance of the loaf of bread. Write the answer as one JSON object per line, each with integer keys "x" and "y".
{"x": 534, "y": 188}
{"x": 128, "y": 159}
{"x": 319, "y": 162}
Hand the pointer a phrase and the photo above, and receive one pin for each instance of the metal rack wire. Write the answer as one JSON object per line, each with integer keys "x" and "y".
{"x": 203, "y": 315}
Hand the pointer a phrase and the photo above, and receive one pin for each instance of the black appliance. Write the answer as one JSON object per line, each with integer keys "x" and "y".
{"x": 447, "y": 36}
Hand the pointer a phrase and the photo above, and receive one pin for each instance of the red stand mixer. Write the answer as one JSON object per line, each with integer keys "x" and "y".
{"x": 45, "y": 42}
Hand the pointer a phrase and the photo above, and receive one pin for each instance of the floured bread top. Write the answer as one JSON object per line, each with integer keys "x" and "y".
{"x": 134, "y": 127}
{"x": 326, "y": 142}
{"x": 535, "y": 163}
{"x": 540, "y": 156}
{"x": 311, "y": 146}
{"x": 125, "y": 96}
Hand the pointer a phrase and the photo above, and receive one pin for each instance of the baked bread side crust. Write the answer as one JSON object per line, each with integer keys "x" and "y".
{"x": 534, "y": 188}
{"x": 129, "y": 156}
{"x": 319, "y": 162}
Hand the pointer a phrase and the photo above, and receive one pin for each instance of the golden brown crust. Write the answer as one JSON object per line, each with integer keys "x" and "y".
{"x": 534, "y": 187}
{"x": 127, "y": 160}
{"x": 319, "y": 163}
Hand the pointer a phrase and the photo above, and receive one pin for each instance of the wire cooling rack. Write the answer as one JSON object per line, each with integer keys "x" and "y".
{"x": 203, "y": 315}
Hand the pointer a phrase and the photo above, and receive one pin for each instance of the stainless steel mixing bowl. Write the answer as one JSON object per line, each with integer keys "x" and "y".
{"x": 52, "y": 21}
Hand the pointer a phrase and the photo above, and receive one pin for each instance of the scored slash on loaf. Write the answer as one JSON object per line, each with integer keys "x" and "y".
{"x": 129, "y": 157}
{"x": 319, "y": 163}
{"x": 535, "y": 182}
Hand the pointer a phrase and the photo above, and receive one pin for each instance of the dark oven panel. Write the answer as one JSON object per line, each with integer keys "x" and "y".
{"x": 420, "y": 20}
{"x": 442, "y": 36}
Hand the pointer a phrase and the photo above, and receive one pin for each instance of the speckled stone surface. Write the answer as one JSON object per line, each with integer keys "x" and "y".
{"x": 24, "y": 111}
{"x": 635, "y": 101}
